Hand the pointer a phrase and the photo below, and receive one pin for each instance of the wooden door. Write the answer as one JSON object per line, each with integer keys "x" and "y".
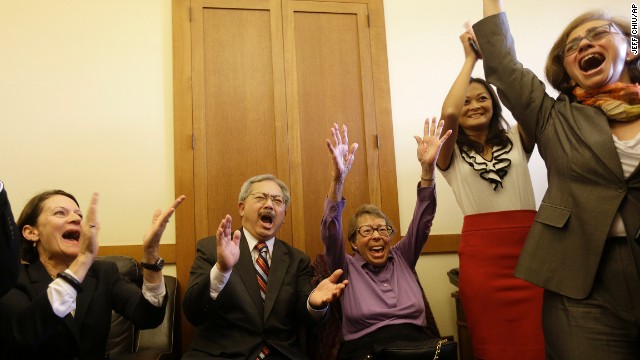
{"x": 257, "y": 85}
{"x": 239, "y": 118}
{"x": 329, "y": 79}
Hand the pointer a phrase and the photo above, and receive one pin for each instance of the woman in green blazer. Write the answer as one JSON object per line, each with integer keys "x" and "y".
{"x": 583, "y": 248}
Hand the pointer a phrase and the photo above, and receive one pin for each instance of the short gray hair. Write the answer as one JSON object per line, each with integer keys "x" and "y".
{"x": 367, "y": 209}
{"x": 246, "y": 187}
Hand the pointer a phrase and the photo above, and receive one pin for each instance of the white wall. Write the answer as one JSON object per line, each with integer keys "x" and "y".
{"x": 425, "y": 56}
{"x": 86, "y": 103}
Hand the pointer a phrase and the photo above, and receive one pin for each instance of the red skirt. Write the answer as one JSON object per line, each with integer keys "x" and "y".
{"x": 504, "y": 313}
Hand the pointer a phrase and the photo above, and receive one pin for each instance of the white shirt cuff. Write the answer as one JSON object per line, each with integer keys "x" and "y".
{"x": 218, "y": 280}
{"x": 316, "y": 314}
{"x": 154, "y": 293}
{"x": 62, "y": 296}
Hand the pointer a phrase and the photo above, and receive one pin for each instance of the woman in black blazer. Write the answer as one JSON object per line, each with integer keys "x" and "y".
{"x": 60, "y": 306}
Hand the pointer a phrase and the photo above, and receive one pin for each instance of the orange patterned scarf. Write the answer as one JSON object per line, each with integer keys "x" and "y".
{"x": 619, "y": 101}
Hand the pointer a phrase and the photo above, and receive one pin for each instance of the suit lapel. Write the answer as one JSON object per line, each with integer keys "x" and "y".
{"x": 603, "y": 146}
{"x": 278, "y": 270}
{"x": 247, "y": 272}
{"x": 85, "y": 297}
{"x": 605, "y": 149}
{"x": 40, "y": 280}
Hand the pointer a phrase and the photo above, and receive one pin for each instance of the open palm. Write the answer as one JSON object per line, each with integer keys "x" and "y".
{"x": 342, "y": 153}
{"x": 429, "y": 145}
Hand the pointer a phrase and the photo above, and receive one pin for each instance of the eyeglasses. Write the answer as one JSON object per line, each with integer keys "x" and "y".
{"x": 367, "y": 230}
{"x": 261, "y": 198}
{"x": 593, "y": 34}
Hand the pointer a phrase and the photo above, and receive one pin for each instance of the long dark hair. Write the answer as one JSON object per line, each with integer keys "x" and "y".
{"x": 498, "y": 126}
{"x": 29, "y": 216}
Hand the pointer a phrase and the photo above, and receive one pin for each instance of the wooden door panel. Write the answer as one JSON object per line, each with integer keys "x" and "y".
{"x": 329, "y": 80}
{"x": 239, "y": 117}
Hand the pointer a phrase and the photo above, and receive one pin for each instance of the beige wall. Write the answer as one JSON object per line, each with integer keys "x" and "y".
{"x": 86, "y": 104}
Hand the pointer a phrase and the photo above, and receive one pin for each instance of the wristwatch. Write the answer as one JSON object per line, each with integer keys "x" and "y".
{"x": 157, "y": 266}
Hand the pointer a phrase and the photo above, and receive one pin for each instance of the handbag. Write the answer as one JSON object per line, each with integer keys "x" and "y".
{"x": 432, "y": 348}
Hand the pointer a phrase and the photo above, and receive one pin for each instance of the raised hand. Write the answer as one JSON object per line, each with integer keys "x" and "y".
{"x": 89, "y": 230}
{"x": 328, "y": 290}
{"x": 159, "y": 221}
{"x": 341, "y": 153}
{"x": 429, "y": 145}
{"x": 88, "y": 241}
{"x": 469, "y": 43}
{"x": 228, "y": 248}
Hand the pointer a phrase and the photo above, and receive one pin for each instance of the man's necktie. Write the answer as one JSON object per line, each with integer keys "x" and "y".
{"x": 262, "y": 273}
{"x": 262, "y": 268}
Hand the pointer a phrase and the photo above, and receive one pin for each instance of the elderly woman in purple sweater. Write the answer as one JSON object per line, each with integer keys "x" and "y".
{"x": 383, "y": 302}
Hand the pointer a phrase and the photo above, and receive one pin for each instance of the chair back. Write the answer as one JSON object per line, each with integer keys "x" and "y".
{"x": 127, "y": 341}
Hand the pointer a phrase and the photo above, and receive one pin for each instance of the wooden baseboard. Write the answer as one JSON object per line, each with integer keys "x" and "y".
{"x": 437, "y": 244}
{"x": 167, "y": 251}
{"x": 442, "y": 243}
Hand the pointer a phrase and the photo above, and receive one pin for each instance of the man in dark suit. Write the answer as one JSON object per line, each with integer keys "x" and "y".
{"x": 9, "y": 244}
{"x": 235, "y": 316}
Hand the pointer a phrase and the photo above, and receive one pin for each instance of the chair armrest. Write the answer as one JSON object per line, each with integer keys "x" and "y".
{"x": 161, "y": 338}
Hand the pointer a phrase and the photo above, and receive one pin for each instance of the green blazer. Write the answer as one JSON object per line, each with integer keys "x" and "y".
{"x": 586, "y": 186}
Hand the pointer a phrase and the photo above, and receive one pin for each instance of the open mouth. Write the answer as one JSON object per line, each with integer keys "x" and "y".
{"x": 475, "y": 115}
{"x": 71, "y": 235}
{"x": 267, "y": 218}
{"x": 377, "y": 250}
{"x": 591, "y": 62}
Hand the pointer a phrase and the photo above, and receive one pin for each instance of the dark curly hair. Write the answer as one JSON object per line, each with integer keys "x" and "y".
{"x": 498, "y": 126}
{"x": 554, "y": 69}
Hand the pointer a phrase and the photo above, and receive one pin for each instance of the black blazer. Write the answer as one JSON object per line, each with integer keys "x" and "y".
{"x": 29, "y": 329}
{"x": 9, "y": 244}
{"x": 236, "y": 324}
{"x": 586, "y": 186}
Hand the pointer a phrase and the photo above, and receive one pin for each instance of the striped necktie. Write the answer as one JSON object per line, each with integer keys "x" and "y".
{"x": 262, "y": 273}
{"x": 262, "y": 268}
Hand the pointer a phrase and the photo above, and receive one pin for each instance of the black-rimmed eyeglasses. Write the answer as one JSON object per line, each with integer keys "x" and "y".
{"x": 592, "y": 34}
{"x": 367, "y": 230}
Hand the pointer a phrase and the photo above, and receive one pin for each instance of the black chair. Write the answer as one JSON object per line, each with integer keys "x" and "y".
{"x": 126, "y": 342}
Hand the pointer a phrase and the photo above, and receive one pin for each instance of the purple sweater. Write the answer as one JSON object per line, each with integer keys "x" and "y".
{"x": 379, "y": 296}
